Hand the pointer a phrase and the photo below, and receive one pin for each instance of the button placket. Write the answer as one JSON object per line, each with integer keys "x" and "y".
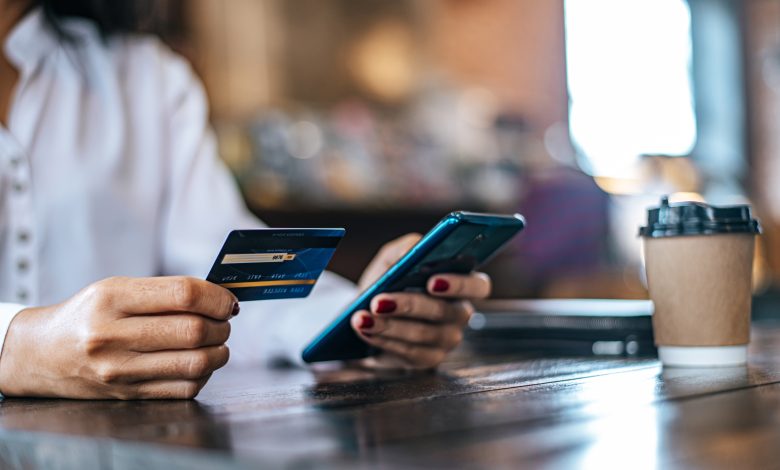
{"x": 21, "y": 213}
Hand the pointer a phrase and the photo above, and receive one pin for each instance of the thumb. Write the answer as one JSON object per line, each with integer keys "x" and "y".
{"x": 387, "y": 256}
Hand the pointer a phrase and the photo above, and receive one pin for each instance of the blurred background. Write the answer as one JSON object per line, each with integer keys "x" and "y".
{"x": 383, "y": 115}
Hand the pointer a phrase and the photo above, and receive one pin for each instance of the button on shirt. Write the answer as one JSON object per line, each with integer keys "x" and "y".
{"x": 108, "y": 168}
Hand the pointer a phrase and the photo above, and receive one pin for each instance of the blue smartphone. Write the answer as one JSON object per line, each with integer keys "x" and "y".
{"x": 459, "y": 243}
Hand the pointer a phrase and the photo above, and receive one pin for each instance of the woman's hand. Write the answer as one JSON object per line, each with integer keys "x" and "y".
{"x": 416, "y": 331}
{"x": 127, "y": 338}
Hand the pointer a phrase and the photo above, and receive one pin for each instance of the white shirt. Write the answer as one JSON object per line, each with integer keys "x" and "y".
{"x": 108, "y": 167}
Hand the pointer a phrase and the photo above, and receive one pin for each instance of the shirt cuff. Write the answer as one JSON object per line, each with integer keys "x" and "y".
{"x": 7, "y": 314}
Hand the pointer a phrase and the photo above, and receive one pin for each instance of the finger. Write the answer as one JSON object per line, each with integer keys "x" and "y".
{"x": 413, "y": 355}
{"x": 421, "y": 307}
{"x": 444, "y": 336}
{"x": 165, "y": 294}
{"x": 174, "y": 332}
{"x": 165, "y": 390}
{"x": 362, "y": 320}
{"x": 472, "y": 286}
{"x": 165, "y": 365}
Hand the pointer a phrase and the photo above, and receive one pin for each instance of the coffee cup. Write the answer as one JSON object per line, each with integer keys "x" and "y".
{"x": 699, "y": 261}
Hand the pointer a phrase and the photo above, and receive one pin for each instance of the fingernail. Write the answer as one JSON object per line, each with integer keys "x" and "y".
{"x": 236, "y": 309}
{"x": 366, "y": 322}
{"x": 441, "y": 285}
{"x": 386, "y": 306}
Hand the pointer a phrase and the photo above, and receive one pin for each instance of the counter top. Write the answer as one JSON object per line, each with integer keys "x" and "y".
{"x": 477, "y": 410}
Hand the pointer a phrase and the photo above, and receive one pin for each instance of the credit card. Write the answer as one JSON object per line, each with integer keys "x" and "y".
{"x": 274, "y": 263}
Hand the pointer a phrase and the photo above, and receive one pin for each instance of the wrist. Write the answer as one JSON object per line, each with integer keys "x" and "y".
{"x": 16, "y": 362}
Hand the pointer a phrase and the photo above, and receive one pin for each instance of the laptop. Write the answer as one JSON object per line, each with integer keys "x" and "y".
{"x": 601, "y": 327}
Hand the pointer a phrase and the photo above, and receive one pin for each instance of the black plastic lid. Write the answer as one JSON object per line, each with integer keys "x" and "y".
{"x": 696, "y": 218}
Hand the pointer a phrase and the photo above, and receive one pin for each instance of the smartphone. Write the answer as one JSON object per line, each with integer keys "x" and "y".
{"x": 459, "y": 243}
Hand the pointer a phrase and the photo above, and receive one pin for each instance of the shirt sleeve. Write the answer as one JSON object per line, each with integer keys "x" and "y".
{"x": 202, "y": 202}
{"x": 203, "y": 206}
{"x": 7, "y": 313}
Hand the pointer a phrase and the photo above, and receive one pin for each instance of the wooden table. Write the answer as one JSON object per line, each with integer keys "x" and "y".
{"x": 487, "y": 411}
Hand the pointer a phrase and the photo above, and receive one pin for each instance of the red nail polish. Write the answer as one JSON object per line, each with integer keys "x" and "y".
{"x": 441, "y": 285}
{"x": 386, "y": 306}
{"x": 236, "y": 309}
{"x": 366, "y": 322}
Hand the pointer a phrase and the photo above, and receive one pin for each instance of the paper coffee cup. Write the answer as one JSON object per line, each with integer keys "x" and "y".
{"x": 699, "y": 260}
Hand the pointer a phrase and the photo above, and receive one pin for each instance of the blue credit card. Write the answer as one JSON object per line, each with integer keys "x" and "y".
{"x": 269, "y": 264}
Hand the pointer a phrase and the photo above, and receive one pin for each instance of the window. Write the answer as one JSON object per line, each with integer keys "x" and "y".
{"x": 629, "y": 80}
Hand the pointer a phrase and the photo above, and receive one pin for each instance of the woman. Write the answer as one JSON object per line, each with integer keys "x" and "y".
{"x": 108, "y": 168}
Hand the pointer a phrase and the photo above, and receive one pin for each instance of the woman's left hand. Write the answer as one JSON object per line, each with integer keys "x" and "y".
{"x": 416, "y": 330}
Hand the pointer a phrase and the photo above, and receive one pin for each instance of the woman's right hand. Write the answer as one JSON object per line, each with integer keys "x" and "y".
{"x": 126, "y": 338}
